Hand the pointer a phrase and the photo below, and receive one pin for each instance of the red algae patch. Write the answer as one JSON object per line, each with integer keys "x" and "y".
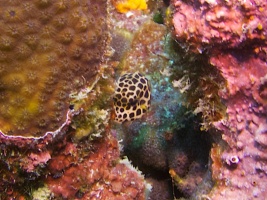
{"x": 100, "y": 174}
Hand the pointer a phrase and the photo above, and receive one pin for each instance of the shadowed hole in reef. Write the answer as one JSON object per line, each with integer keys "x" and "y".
{"x": 183, "y": 153}
{"x": 167, "y": 2}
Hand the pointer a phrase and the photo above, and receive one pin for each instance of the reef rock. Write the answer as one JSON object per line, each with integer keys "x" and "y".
{"x": 89, "y": 176}
{"x": 244, "y": 128}
{"x": 233, "y": 33}
{"x": 201, "y": 24}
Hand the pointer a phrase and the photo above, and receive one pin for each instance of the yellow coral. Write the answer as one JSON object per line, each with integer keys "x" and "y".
{"x": 127, "y": 5}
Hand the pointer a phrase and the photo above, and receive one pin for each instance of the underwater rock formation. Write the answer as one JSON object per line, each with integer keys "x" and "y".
{"x": 89, "y": 176}
{"x": 244, "y": 128}
{"x": 72, "y": 170}
{"x": 232, "y": 34}
{"x": 55, "y": 78}
{"x": 166, "y": 143}
{"x": 54, "y": 82}
{"x": 228, "y": 24}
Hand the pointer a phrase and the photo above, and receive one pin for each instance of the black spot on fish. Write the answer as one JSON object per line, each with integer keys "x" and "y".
{"x": 132, "y": 87}
{"x": 131, "y": 115}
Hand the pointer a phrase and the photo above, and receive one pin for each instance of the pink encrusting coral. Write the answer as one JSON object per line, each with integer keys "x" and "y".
{"x": 98, "y": 175}
{"x": 244, "y": 129}
{"x": 35, "y": 159}
{"x": 234, "y": 33}
{"x": 203, "y": 23}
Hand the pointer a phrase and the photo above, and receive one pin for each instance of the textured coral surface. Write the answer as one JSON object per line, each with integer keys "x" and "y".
{"x": 204, "y": 135}
{"x": 98, "y": 175}
{"x": 234, "y": 35}
{"x": 245, "y": 128}
{"x": 27, "y": 164}
{"x": 199, "y": 24}
{"x": 83, "y": 161}
{"x": 47, "y": 50}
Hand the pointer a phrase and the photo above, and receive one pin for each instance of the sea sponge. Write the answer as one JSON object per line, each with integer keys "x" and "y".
{"x": 45, "y": 47}
{"x": 124, "y": 6}
{"x": 132, "y": 97}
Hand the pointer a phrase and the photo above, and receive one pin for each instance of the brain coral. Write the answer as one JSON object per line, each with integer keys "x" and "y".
{"x": 132, "y": 97}
{"x": 47, "y": 49}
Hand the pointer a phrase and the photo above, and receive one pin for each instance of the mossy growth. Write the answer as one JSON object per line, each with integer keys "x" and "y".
{"x": 140, "y": 139}
{"x": 199, "y": 83}
{"x": 16, "y": 181}
{"x": 158, "y": 17}
{"x": 42, "y": 193}
{"x": 94, "y": 107}
{"x": 162, "y": 12}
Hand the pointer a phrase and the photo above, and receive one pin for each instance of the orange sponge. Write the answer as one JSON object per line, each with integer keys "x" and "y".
{"x": 124, "y": 6}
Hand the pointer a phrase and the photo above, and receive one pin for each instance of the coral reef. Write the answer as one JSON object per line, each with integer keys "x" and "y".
{"x": 47, "y": 50}
{"x": 190, "y": 95}
{"x": 200, "y": 83}
{"x": 232, "y": 37}
{"x": 72, "y": 170}
{"x": 92, "y": 177}
{"x": 78, "y": 158}
{"x": 26, "y": 165}
{"x": 244, "y": 129}
{"x": 228, "y": 24}
{"x": 168, "y": 131}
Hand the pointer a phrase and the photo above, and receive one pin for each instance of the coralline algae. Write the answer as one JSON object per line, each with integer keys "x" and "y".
{"x": 233, "y": 36}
